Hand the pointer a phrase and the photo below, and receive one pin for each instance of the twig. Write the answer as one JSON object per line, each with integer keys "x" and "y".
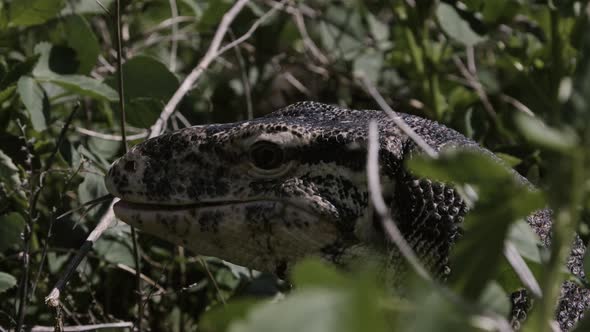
{"x": 174, "y": 28}
{"x": 381, "y": 208}
{"x": 33, "y": 194}
{"x": 182, "y": 119}
{"x": 110, "y": 137}
{"x": 204, "y": 263}
{"x": 522, "y": 269}
{"x": 32, "y": 212}
{"x": 121, "y": 89}
{"x": 147, "y": 279}
{"x": 490, "y": 321}
{"x": 253, "y": 28}
{"x": 49, "y": 163}
{"x": 90, "y": 204}
{"x": 188, "y": 82}
{"x": 476, "y": 86}
{"x": 245, "y": 79}
{"x": 296, "y": 83}
{"x": 307, "y": 41}
{"x": 53, "y": 298}
{"x": 82, "y": 328}
{"x": 402, "y": 125}
{"x": 212, "y": 53}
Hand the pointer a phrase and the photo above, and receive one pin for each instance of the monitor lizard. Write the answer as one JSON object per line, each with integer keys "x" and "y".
{"x": 266, "y": 192}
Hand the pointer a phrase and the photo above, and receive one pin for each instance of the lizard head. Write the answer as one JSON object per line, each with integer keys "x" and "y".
{"x": 261, "y": 193}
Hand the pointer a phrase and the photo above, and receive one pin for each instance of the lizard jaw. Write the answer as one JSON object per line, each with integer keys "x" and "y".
{"x": 266, "y": 235}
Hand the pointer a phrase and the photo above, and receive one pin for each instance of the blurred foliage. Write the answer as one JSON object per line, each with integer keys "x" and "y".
{"x": 513, "y": 75}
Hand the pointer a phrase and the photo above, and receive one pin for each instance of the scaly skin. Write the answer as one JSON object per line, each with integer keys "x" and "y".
{"x": 265, "y": 193}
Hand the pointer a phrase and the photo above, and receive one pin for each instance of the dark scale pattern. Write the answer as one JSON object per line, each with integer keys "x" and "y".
{"x": 429, "y": 215}
{"x": 315, "y": 203}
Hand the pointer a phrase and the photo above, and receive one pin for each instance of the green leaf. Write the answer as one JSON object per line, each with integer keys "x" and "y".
{"x": 313, "y": 273}
{"x": 587, "y": 262}
{"x": 146, "y": 77}
{"x": 539, "y": 133}
{"x": 434, "y": 313}
{"x": 148, "y": 87}
{"x": 78, "y": 84}
{"x": 12, "y": 225}
{"x": 85, "y": 7}
{"x": 32, "y": 12}
{"x": 115, "y": 245}
{"x": 343, "y": 32}
{"x": 369, "y": 64}
{"x": 81, "y": 38}
{"x": 7, "y": 281}
{"x": 20, "y": 69}
{"x": 84, "y": 86}
{"x": 583, "y": 324}
{"x": 220, "y": 318}
{"x": 9, "y": 174}
{"x": 310, "y": 310}
{"x": 525, "y": 240}
{"x": 495, "y": 298}
{"x": 143, "y": 112}
{"x": 455, "y": 26}
{"x": 32, "y": 97}
{"x": 92, "y": 187}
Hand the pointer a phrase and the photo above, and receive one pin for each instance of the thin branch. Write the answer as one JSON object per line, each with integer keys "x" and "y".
{"x": 214, "y": 51}
{"x": 35, "y": 190}
{"x": 53, "y": 298}
{"x": 82, "y": 328}
{"x": 121, "y": 88}
{"x": 174, "y": 28}
{"x": 381, "y": 208}
{"x": 307, "y": 41}
{"x": 488, "y": 320}
{"x": 245, "y": 79}
{"x": 122, "y": 121}
{"x": 204, "y": 263}
{"x": 296, "y": 83}
{"x": 145, "y": 278}
{"x": 194, "y": 75}
{"x": 399, "y": 122}
{"x": 110, "y": 137}
{"x": 253, "y": 28}
{"x": 90, "y": 204}
{"x": 522, "y": 269}
{"x": 182, "y": 119}
{"x": 476, "y": 86}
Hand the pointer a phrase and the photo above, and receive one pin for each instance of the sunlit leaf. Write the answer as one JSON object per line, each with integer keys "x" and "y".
{"x": 455, "y": 26}
{"x": 33, "y": 12}
{"x": 541, "y": 134}
{"x": 32, "y": 97}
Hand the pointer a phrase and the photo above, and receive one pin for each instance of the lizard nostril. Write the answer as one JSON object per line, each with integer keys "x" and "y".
{"x": 130, "y": 166}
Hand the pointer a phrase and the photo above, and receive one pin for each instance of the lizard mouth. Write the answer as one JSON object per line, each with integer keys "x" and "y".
{"x": 129, "y": 205}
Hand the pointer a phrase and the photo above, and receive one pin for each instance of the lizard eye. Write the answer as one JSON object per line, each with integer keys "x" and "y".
{"x": 266, "y": 155}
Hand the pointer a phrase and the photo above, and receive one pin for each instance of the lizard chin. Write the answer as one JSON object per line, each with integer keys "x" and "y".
{"x": 266, "y": 235}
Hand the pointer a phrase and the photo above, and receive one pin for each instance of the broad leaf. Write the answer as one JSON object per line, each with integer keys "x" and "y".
{"x": 455, "y": 26}
{"x": 32, "y": 97}
{"x": 33, "y": 12}
{"x": 7, "y": 281}
{"x": 12, "y": 226}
